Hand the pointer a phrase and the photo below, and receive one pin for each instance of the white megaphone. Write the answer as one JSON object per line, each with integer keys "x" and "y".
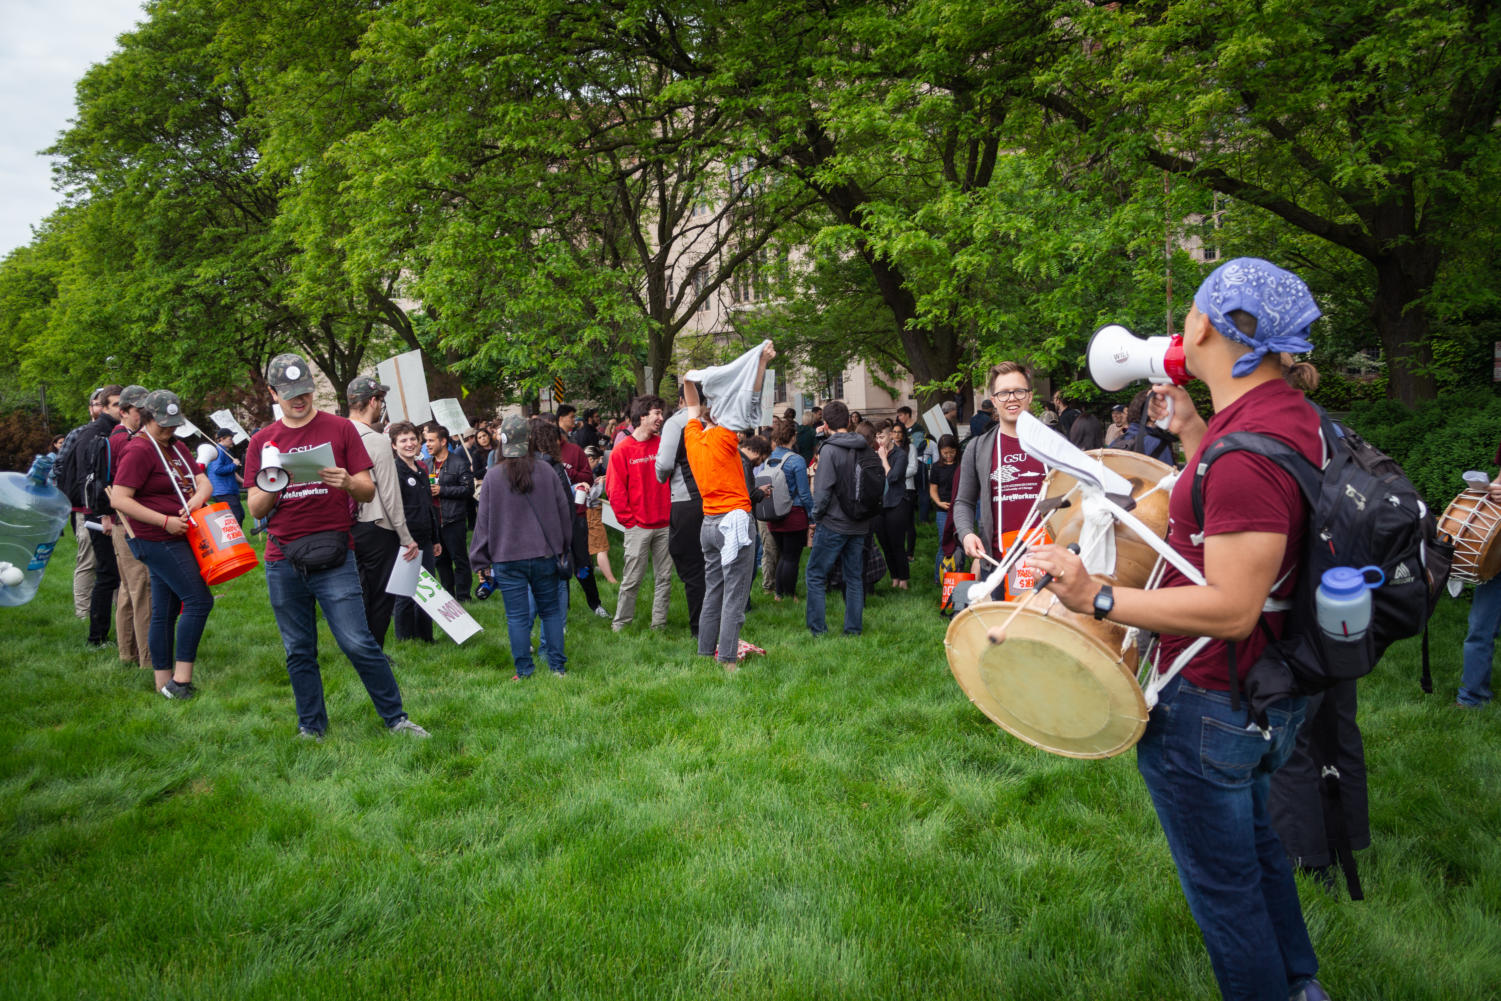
{"x": 1118, "y": 358}
{"x": 271, "y": 478}
{"x": 207, "y": 453}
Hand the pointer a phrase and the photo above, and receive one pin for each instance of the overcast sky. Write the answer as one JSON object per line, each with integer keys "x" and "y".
{"x": 45, "y": 46}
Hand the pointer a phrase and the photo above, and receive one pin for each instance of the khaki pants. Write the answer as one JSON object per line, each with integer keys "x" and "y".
{"x": 83, "y": 566}
{"x": 770, "y": 553}
{"x": 639, "y": 544}
{"x": 132, "y": 603}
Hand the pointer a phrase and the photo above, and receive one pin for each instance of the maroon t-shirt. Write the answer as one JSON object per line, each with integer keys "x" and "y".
{"x": 1243, "y": 493}
{"x": 1016, "y": 480}
{"x": 305, "y": 508}
{"x": 141, "y": 468}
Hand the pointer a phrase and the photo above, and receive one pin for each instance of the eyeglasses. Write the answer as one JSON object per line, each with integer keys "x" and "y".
{"x": 1011, "y": 394}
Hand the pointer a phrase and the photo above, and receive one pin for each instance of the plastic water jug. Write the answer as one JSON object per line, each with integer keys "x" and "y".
{"x": 33, "y": 514}
{"x": 1343, "y": 601}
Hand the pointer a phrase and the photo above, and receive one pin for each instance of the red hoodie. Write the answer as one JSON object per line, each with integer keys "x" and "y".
{"x": 636, "y": 497}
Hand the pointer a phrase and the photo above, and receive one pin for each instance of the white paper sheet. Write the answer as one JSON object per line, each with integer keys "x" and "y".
{"x": 276, "y": 411}
{"x": 441, "y": 607}
{"x": 404, "y": 576}
{"x": 225, "y": 419}
{"x": 303, "y": 467}
{"x": 450, "y": 414}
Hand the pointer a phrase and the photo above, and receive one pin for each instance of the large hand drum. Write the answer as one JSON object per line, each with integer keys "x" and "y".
{"x": 1134, "y": 559}
{"x": 1471, "y": 520}
{"x": 1058, "y": 682}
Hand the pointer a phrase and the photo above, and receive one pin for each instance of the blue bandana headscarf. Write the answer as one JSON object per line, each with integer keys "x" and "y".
{"x": 1279, "y": 300}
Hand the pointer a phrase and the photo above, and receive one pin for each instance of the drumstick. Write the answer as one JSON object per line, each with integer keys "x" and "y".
{"x": 1042, "y": 582}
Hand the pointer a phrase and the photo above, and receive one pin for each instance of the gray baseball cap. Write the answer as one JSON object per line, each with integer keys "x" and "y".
{"x": 133, "y": 396}
{"x": 515, "y": 432}
{"x": 164, "y": 407}
{"x": 364, "y": 387}
{"x": 290, "y": 376}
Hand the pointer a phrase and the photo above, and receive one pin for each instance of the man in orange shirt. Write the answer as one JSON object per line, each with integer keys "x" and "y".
{"x": 727, "y": 536}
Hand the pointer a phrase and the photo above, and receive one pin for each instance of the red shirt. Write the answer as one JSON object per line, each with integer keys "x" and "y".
{"x": 1243, "y": 493}
{"x": 576, "y": 465}
{"x": 305, "y": 508}
{"x": 140, "y": 468}
{"x": 1015, "y": 483}
{"x": 636, "y": 497}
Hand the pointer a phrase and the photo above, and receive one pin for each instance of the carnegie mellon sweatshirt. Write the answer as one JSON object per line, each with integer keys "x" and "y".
{"x": 636, "y": 497}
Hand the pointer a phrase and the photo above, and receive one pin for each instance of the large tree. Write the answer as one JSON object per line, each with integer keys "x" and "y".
{"x": 1371, "y": 126}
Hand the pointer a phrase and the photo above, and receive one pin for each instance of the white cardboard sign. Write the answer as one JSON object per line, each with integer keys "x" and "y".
{"x": 934, "y": 422}
{"x": 407, "y": 400}
{"x": 607, "y": 516}
{"x": 225, "y": 419}
{"x": 187, "y": 428}
{"x": 441, "y": 607}
{"x": 450, "y": 414}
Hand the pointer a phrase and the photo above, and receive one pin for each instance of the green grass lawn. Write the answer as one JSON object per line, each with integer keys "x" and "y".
{"x": 835, "y": 821}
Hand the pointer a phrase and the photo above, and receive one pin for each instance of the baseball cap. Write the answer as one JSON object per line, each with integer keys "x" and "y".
{"x": 364, "y": 387}
{"x": 164, "y": 407}
{"x": 221, "y": 433}
{"x": 514, "y": 432}
{"x": 133, "y": 396}
{"x": 290, "y": 376}
{"x": 1118, "y": 408}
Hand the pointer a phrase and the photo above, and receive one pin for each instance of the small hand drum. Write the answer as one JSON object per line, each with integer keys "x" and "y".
{"x": 1058, "y": 682}
{"x": 1471, "y": 521}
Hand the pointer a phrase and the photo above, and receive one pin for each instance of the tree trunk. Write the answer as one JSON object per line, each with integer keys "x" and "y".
{"x": 1403, "y": 277}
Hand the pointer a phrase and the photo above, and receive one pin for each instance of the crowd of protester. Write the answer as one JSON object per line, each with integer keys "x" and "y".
{"x": 707, "y": 490}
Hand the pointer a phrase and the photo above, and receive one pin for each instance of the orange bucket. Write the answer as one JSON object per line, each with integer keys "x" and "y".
{"x": 218, "y": 544}
{"x": 949, "y": 580}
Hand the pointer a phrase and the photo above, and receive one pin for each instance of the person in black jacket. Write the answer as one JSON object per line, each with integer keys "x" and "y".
{"x": 421, "y": 520}
{"x": 75, "y": 477}
{"x": 451, "y": 484}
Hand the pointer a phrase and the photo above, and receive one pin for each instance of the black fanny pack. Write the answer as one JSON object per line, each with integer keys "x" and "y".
{"x": 319, "y": 551}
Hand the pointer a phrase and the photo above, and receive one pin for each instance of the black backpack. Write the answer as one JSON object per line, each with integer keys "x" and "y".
{"x": 95, "y": 468}
{"x": 65, "y": 478}
{"x": 776, "y": 500}
{"x": 861, "y": 497}
{"x": 1362, "y": 510}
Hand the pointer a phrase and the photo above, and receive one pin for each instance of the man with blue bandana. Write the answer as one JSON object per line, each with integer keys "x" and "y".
{"x": 1207, "y": 770}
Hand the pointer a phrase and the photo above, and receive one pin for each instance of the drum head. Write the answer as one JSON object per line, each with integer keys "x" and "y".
{"x": 1049, "y": 684}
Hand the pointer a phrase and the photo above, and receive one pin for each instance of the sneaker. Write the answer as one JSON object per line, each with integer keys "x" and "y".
{"x": 409, "y": 728}
{"x": 1311, "y": 991}
{"x": 600, "y": 611}
{"x": 172, "y": 690}
{"x": 307, "y": 733}
{"x": 192, "y": 688}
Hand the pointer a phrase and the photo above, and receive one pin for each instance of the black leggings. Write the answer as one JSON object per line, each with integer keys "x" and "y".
{"x": 891, "y": 533}
{"x": 583, "y": 566}
{"x": 789, "y": 554}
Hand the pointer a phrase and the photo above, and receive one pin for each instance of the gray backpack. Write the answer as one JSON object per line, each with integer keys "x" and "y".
{"x": 776, "y": 500}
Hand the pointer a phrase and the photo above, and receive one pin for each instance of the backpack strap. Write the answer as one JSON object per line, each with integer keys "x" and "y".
{"x": 1309, "y": 478}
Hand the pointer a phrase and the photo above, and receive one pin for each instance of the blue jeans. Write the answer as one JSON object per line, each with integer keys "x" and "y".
{"x": 522, "y": 581}
{"x": 296, "y": 598}
{"x": 828, "y": 546}
{"x": 1208, "y": 776}
{"x": 1480, "y": 643}
{"x": 174, "y": 578}
{"x": 532, "y": 615}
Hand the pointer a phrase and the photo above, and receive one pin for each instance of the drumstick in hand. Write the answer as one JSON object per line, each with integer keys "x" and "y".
{"x": 997, "y": 634}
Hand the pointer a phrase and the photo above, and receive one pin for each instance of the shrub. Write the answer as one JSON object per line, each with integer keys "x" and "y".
{"x": 1436, "y": 441}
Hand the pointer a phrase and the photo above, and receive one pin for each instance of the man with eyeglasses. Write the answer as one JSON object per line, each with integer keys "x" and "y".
{"x": 996, "y": 475}
{"x": 380, "y": 528}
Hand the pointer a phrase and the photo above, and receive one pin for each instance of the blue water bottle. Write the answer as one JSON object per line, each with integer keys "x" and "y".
{"x": 1343, "y": 601}
{"x": 32, "y": 516}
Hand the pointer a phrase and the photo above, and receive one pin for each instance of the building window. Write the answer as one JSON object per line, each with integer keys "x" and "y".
{"x": 833, "y": 385}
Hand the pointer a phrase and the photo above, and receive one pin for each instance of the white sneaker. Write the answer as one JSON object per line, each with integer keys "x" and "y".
{"x": 409, "y": 728}
{"x": 600, "y": 611}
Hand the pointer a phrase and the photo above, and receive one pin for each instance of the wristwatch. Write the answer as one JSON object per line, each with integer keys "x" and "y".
{"x": 1104, "y": 601}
